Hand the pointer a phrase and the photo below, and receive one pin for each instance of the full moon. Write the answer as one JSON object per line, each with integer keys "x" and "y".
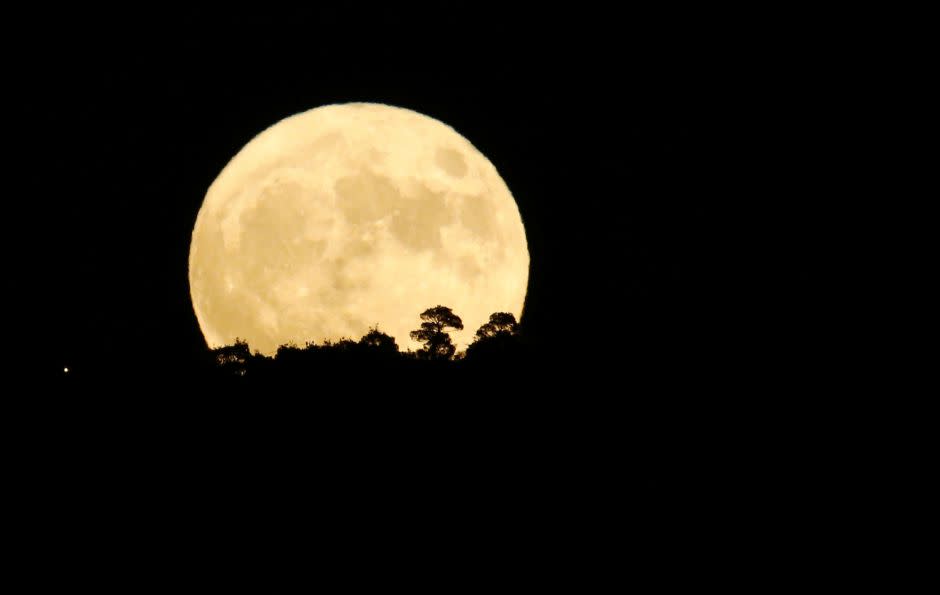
{"x": 349, "y": 216}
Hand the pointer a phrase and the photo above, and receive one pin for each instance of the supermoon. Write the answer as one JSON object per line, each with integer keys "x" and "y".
{"x": 350, "y": 216}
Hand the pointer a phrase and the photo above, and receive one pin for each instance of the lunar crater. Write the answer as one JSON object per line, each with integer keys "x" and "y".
{"x": 363, "y": 198}
{"x": 451, "y": 161}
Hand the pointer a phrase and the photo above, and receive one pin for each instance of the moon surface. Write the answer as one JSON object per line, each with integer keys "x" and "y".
{"x": 353, "y": 215}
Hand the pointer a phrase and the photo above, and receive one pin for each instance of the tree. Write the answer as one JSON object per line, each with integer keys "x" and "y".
{"x": 497, "y": 342}
{"x": 233, "y": 359}
{"x": 500, "y": 323}
{"x": 437, "y": 343}
{"x": 379, "y": 341}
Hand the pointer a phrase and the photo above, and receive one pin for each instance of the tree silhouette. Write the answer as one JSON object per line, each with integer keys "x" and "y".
{"x": 437, "y": 343}
{"x": 233, "y": 359}
{"x": 500, "y": 322}
{"x": 379, "y": 341}
{"x": 497, "y": 341}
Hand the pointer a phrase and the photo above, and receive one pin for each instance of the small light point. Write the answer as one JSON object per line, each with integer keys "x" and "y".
{"x": 66, "y": 370}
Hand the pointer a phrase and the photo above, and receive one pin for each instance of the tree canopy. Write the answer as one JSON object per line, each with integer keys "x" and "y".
{"x": 379, "y": 341}
{"x": 500, "y": 322}
{"x": 433, "y": 333}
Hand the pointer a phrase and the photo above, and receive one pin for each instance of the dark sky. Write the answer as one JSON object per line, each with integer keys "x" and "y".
{"x": 618, "y": 148}
{"x": 667, "y": 239}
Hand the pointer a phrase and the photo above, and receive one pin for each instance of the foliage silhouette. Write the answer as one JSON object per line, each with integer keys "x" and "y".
{"x": 500, "y": 322}
{"x": 497, "y": 341}
{"x": 233, "y": 359}
{"x": 379, "y": 342}
{"x": 376, "y": 358}
{"x": 437, "y": 343}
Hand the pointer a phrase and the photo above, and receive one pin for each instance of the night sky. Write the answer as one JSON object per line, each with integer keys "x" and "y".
{"x": 613, "y": 151}
{"x": 668, "y": 307}
{"x": 670, "y": 245}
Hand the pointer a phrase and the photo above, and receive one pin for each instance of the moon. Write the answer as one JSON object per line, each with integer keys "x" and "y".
{"x": 349, "y": 216}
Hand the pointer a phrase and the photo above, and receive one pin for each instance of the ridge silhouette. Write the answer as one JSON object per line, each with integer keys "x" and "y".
{"x": 497, "y": 343}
